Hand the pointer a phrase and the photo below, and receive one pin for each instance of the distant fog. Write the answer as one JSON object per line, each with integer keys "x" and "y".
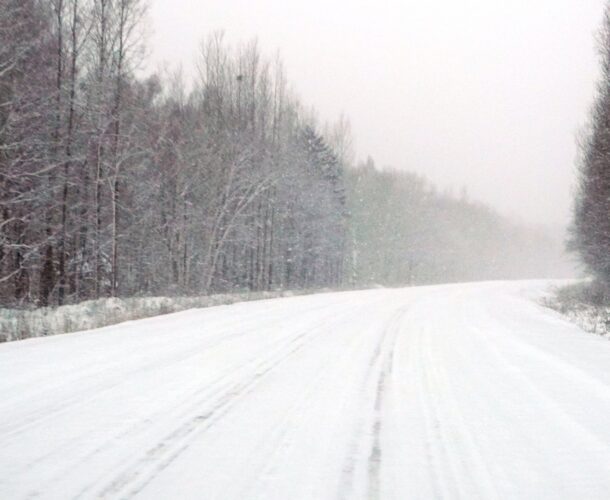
{"x": 484, "y": 94}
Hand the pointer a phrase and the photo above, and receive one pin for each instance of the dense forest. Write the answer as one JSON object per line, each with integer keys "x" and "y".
{"x": 404, "y": 231}
{"x": 590, "y": 232}
{"x": 117, "y": 184}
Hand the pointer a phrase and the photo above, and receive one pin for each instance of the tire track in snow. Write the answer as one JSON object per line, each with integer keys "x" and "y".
{"x": 138, "y": 475}
{"x": 468, "y": 464}
{"x": 430, "y": 420}
{"x": 13, "y": 430}
{"x": 379, "y": 367}
{"x": 224, "y": 382}
{"x": 451, "y": 411}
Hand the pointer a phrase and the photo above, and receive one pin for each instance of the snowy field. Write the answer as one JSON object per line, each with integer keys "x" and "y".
{"x": 467, "y": 392}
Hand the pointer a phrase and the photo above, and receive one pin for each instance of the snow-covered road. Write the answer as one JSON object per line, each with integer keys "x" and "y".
{"x": 450, "y": 392}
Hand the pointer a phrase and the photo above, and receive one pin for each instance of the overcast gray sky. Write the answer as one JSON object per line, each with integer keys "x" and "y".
{"x": 487, "y": 94}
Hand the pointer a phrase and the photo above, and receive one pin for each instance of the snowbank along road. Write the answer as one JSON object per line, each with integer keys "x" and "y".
{"x": 451, "y": 392}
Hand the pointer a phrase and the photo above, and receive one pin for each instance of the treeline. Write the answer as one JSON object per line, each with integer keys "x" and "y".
{"x": 112, "y": 184}
{"x": 590, "y": 235}
{"x": 404, "y": 231}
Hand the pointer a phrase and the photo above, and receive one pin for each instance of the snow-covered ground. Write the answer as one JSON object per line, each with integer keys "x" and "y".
{"x": 19, "y": 324}
{"x": 461, "y": 391}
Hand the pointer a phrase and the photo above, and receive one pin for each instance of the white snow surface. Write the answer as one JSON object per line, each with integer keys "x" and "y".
{"x": 469, "y": 391}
